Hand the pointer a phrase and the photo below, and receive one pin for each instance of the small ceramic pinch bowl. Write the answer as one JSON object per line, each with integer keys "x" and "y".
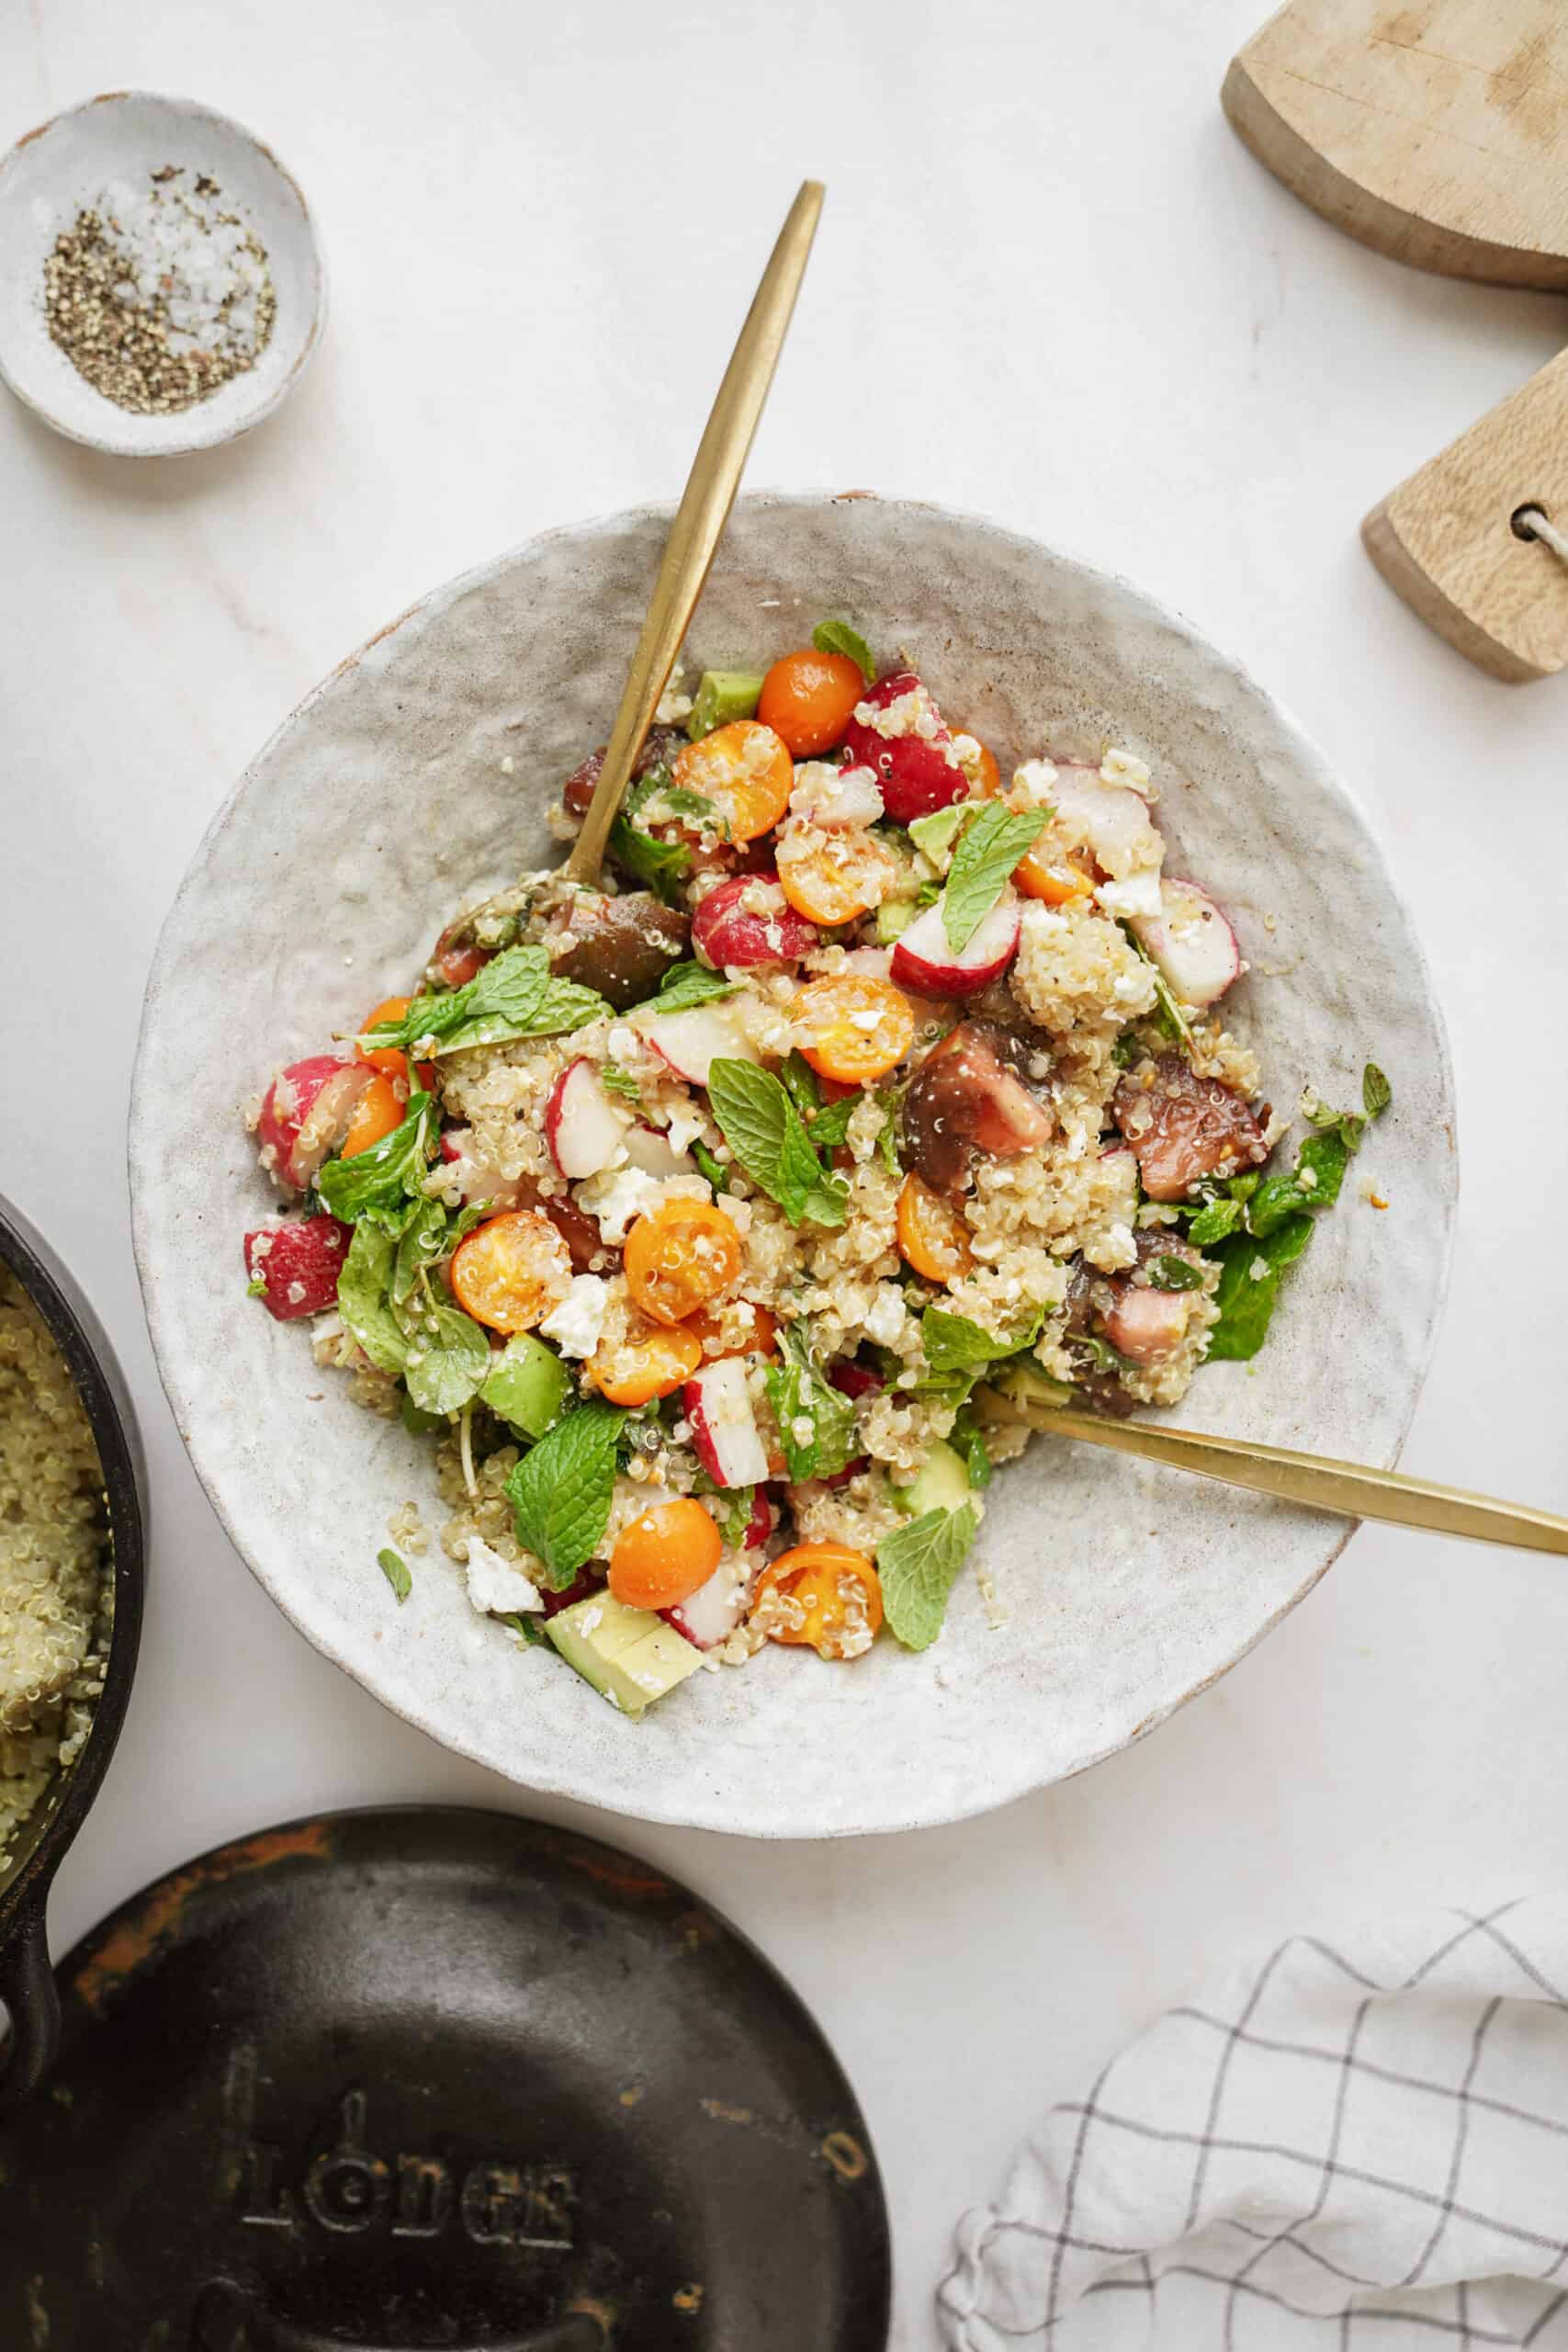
{"x": 418, "y": 778}
{"x": 117, "y": 142}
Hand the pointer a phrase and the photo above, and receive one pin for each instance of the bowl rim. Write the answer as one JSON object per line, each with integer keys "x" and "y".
{"x": 544, "y": 1780}
{"x": 120, "y": 443}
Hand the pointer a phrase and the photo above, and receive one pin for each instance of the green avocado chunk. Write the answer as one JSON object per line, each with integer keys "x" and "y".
{"x": 628, "y": 1655}
{"x": 893, "y": 917}
{"x": 527, "y": 1384}
{"x": 723, "y": 695}
{"x": 943, "y": 1485}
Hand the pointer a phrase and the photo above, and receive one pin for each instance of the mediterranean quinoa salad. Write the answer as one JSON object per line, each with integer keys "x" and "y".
{"x": 696, "y": 1216}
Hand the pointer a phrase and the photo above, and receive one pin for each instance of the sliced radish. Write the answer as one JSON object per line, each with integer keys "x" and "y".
{"x": 476, "y": 1180}
{"x": 761, "y": 1525}
{"x": 693, "y": 1041}
{"x": 718, "y": 1403}
{"x": 584, "y": 1130}
{"x": 306, "y": 1114}
{"x": 298, "y": 1263}
{"x": 732, "y": 935}
{"x": 923, "y": 958}
{"x": 710, "y": 1615}
{"x": 650, "y": 1149}
{"x": 1191, "y": 942}
{"x": 1144, "y": 1325}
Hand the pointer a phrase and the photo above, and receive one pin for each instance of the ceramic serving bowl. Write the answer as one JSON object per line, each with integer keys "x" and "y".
{"x": 417, "y": 777}
{"x": 116, "y": 140}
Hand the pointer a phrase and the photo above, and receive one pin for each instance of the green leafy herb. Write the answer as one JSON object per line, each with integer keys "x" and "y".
{"x": 1171, "y": 1272}
{"x": 448, "y": 1356}
{"x": 936, "y": 833}
{"x": 1101, "y": 1355}
{"x": 684, "y": 985}
{"x": 1249, "y": 1288}
{"x": 968, "y": 1438}
{"x": 800, "y": 1081}
{"x": 918, "y": 1566}
{"x": 396, "y": 1571}
{"x": 981, "y": 865}
{"x": 1169, "y": 1015}
{"x": 1376, "y": 1091}
{"x": 378, "y": 1182}
{"x": 954, "y": 1343}
{"x": 561, "y": 1490}
{"x": 1242, "y": 1188}
{"x": 1315, "y": 1184}
{"x": 1215, "y": 1221}
{"x": 887, "y": 1141}
{"x": 363, "y": 1284}
{"x": 257, "y": 1289}
{"x": 768, "y": 1136}
{"x": 658, "y": 866}
{"x": 829, "y": 1126}
{"x": 927, "y": 896}
{"x": 737, "y": 1507}
{"x": 616, "y": 1081}
{"x": 508, "y": 988}
{"x": 838, "y": 637}
{"x": 527, "y": 1384}
{"x": 715, "y": 1170}
{"x": 530, "y": 1628}
{"x": 797, "y": 1393}
{"x": 1126, "y": 1051}
{"x": 680, "y": 800}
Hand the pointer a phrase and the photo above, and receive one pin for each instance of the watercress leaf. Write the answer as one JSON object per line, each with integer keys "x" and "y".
{"x": 1171, "y": 1272}
{"x": 362, "y": 1286}
{"x": 918, "y": 1566}
{"x": 659, "y": 866}
{"x": 449, "y": 1357}
{"x": 1376, "y": 1091}
{"x": 798, "y": 1394}
{"x": 1249, "y": 1287}
{"x": 684, "y": 985}
{"x": 422, "y": 1242}
{"x": 1215, "y": 1221}
{"x": 395, "y": 1568}
{"x": 838, "y": 637}
{"x": 561, "y": 1490}
{"x": 382, "y": 1179}
{"x": 981, "y": 862}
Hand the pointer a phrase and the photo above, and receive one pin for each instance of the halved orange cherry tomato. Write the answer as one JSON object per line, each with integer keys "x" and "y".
{"x": 511, "y": 1270}
{"x": 665, "y": 1554}
{"x": 379, "y": 1110}
{"x": 1055, "y": 880}
{"x": 680, "y": 1255}
{"x": 853, "y": 1027}
{"x": 387, "y": 1058}
{"x": 745, "y": 770}
{"x": 808, "y": 699}
{"x": 757, "y": 1335}
{"x": 836, "y": 1597}
{"x": 832, "y": 877}
{"x": 932, "y": 1237}
{"x": 651, "y": 1361}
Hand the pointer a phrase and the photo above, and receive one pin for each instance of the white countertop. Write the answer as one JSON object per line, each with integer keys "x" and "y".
{"x": 1050, "y": 285}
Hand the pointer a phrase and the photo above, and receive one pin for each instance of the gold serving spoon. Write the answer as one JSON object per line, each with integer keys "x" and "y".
{"x": 699, "y": 521}
{"x": 1314, "y": 1480}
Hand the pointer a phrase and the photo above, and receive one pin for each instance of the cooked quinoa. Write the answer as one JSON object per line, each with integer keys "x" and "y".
{"x": 55, "y": 1592}
{"x": 697, "y": 1217}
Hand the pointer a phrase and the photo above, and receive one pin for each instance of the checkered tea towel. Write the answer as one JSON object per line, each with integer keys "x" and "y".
{"x": 1361, "y": 2144}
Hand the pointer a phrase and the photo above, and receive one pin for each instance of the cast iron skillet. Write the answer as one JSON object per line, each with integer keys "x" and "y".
{"x": 27, "y": 1982}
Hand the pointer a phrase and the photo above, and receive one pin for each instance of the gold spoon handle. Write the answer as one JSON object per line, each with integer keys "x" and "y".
{"x": 699, "y": 521}
{"x": 1313, "y": 1479}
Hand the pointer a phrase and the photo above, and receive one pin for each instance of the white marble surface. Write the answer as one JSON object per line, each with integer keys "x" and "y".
{"x": 1050, "y": 286}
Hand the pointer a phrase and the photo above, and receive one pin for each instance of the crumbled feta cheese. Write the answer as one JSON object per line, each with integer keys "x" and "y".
{"x": 674, "y": 707}
{"x": 1124, "y": 767}
{"x": 497, "y": 1587}
{"x": 576, "y": 1323}
{"x": 616, "y": 1198}
{"x": 1138, "y": 894}
{"x": 1034, "y": 779}
{"x": 686, "y": 1122}
{"x": 886, "y": 1314}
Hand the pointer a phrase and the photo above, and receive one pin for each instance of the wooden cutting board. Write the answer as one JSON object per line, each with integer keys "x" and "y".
{"x": 1437, "y": 132}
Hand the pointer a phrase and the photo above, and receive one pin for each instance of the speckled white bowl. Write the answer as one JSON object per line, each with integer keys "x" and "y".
{"x": 66, "y": 163}
{"x": 383, "y": 803}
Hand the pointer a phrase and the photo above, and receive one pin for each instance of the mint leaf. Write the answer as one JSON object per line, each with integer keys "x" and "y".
{"x": 684, "y": 985}
{"x": 918, "y": 1566}
{"x": 954, "y": 1343}
{"x": 1215, "y": 1221}
{"x": 616, "y": 1081}
{"x": 507, "y": 989}
{"x": 560, "y": 1491}
{"x": 1376, "y": 1091}
{"x": 765, "y": 1132}
{"x": 715, "y": 1170}
{"x": 797, "y": 1392}
{"x": 981, "y": 865}
{"x": 659, "y": 866}
{"x": 395, "y": 1570}
{"x": 362, "y": 1286}
{"x": 378, "y": 1182}
{"x": 800, "y": 1081}
{"x": 831, "y": 1126}
{"x": 1171, "y": 1272}
{"x": 449, "y": 1357}
{"x": 838, "y": 637}
{"x": 826, "y": 1203}
{"x": 1249, "y": 1288}
{"x": 1314, "y": 1185}
{"x": 680, "y": 800}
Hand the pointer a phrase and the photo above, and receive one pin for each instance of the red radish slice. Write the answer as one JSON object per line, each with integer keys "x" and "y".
{"x": 710, "y": 1615}
{"x": 1144, "y": 1325}
{"x": 731, "y": 937}
{"x": 718, "y": 1403}
{"x": 923, "y": 958}
{"x": 583, "y": 1129}
{"x": 651, "y": 1150}
{"x": 761, "y": 1525}
{"x": 298, "y": 1263}
{"x": 693, "y": 1041}
{"x": 477, "y": 1180}
{"x": 1191, "y": 942}
{"x": 306, "y": 1115}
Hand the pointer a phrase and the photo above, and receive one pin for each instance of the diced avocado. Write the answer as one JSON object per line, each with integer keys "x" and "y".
{"x": 628, "y": 1655}
{"x": 943, "y": 1485}
{"x": 936, "y": 833}
{"x": 527, "y": 1384}
{"x": 723, "y": 695}
{"x": 893, "y": 917}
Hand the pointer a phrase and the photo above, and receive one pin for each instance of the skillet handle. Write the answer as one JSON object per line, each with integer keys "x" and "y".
{"x": 230, "y": 2318}
{"x": 29, "y": 1991}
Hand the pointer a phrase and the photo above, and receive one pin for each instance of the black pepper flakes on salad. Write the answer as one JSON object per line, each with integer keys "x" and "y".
{"x": 691, "y": 1215}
